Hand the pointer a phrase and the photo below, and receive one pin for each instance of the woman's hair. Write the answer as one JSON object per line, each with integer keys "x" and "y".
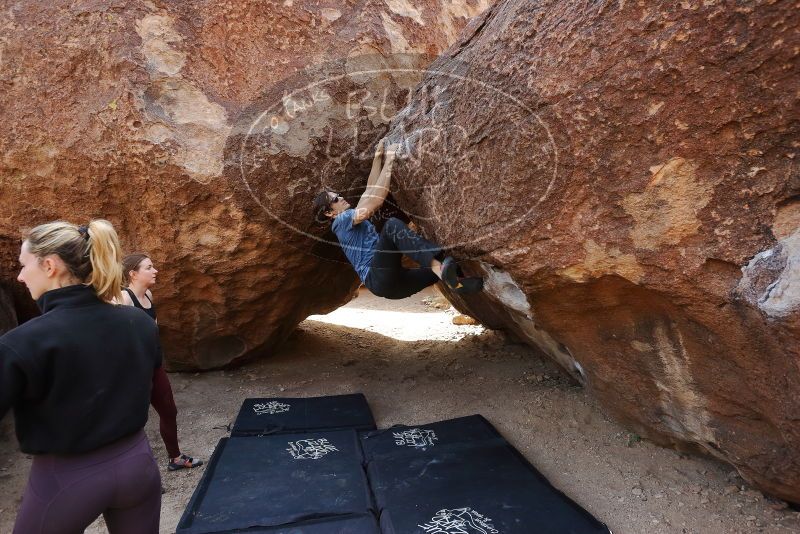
{"x": 91, "y": 253}
{"x": 131, "y": 263}
{"x": 322, "y": 203}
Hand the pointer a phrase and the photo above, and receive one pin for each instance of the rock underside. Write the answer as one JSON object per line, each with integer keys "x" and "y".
{"x": 625, "y": 176}
{"x": 202, "y": 130}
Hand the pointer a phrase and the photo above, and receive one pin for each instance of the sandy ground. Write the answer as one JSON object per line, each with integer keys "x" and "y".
{"x": 415, "y": 366}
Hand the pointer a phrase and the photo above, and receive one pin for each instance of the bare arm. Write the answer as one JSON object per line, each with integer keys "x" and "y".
{"x": 377, "y": 190}
{"x": 376, "y": 163}
{"x": 125, "y": 300}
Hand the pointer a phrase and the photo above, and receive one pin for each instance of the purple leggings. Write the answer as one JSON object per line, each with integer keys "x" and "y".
{"x": 65, "y": 494}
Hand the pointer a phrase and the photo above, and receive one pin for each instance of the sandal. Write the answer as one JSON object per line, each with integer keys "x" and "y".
{"x": 183, "y": 462}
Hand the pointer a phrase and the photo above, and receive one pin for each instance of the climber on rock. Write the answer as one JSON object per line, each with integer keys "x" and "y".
{"x": 377, "y": 257}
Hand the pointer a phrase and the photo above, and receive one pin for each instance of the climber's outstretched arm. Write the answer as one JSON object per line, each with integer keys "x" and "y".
{"x": 376, "y": 163}
{"x": 377, "y": 189}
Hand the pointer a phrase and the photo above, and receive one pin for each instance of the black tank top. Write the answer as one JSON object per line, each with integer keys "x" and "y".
{"x": 151, "y": 311}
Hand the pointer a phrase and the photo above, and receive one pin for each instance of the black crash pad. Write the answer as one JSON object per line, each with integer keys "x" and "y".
{"x": 481, "y": 487}
{"x": 402, "y": 438}
{"x": 265, "y": 416}
{"x": 278, "y": 480}
{"x": 349, "y": 524}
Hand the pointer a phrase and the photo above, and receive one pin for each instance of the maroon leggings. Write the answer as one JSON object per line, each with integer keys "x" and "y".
{"x": 65, "y": 494}
{"x": 164, "y": 404}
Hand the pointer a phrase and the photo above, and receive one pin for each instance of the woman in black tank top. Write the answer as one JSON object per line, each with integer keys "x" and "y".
{"x": 140, "y": 276}
{"x": 151, "y": 311}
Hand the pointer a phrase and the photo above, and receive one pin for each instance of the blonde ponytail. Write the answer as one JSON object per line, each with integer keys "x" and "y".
{"x": 105, "y": 254}
{"x": 91, "y": 253}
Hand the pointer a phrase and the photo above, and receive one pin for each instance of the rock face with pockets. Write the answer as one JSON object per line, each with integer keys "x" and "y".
{"x": 202, "y": 130}
{"x": 625, "y": 175}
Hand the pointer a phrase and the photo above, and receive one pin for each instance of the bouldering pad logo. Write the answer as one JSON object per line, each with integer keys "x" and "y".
{"x": 310, "y": 449}
{"x": 415, "y": 437}
{"x": 459, "y": 521}
{"x": 270, "y": 408}
{"x": 317, "y": 130}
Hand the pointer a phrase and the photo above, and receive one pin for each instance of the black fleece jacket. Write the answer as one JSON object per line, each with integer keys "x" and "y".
{"x": 78, "y": 376}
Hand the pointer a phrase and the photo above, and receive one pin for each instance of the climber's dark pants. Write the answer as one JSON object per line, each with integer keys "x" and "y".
{"x": 387, "y": 277}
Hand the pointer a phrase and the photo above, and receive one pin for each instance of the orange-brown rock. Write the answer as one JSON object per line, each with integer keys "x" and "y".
{"x": 202, "y": 130}
{"x": 625, "y": 175}
{"x": 462, "y": 319}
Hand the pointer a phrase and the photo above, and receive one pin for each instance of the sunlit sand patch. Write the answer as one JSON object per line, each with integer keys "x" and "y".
{"x": 361, "y": 313}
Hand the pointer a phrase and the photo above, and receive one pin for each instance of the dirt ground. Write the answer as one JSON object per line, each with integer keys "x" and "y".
{"x": 415, "y": 366}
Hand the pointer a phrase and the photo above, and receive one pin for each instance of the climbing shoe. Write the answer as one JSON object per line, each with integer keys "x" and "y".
{"x": 183, "y": 462}
{"x": 468, "y": 285}
{"x": 450, "y": 272}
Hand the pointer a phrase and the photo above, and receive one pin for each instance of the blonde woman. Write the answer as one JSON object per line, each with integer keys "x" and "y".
{"x": 140, "y": 275}
{"x": 78, "y": 378}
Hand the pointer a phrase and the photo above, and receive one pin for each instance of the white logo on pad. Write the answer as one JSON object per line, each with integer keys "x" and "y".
{"x": 310, "y": 449}
{"x": 415, "y": 437}
{"x": 459, "y": 521}
{"x": 270, "y": 408}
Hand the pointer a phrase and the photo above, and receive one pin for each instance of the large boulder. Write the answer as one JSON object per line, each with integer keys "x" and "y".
{"x": 202, "y": 131}
{"x": 625, "y": 175}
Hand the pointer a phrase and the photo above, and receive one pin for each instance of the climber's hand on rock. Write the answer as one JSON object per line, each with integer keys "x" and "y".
{"x": 379, "y": 149}
{"x": 391, "y": 150}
